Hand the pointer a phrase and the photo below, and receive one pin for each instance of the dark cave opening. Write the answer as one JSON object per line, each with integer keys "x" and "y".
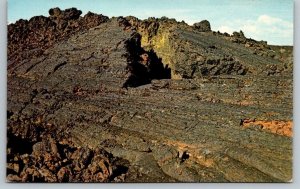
{"x": 143, "y": 65}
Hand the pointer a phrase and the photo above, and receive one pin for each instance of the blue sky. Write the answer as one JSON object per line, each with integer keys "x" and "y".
{"x": 270, "y": 20}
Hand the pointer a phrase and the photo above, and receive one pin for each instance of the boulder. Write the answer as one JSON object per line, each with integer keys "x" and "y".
{"x": 203, "y": 26}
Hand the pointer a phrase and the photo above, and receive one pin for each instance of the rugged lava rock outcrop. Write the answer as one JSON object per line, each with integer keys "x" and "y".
{"x": 39, "y": 33}
{"x": 203, "y": 26}
{"x": 193, "y": 52}
{"x": 93, "y": 99}
{"x": 50, "y": 161}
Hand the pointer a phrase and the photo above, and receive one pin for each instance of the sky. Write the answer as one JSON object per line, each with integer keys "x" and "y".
{"x": 268, "y": 20}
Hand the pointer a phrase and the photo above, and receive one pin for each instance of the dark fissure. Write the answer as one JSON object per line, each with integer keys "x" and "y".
{"x": 143, "y": 65}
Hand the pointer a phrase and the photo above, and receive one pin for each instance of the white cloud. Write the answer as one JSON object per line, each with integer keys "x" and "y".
{"x": 250, "y": 29}
{"x": 265, "y": 19}
{"x": 268, "y": 20}
{"x": 271, "y": 29}
{"x": 226, "y": 29}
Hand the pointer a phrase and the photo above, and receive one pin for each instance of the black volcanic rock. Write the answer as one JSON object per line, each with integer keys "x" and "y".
{"x": 28, "y": 39}
{"x": 203, "y": 26}
{"x": 93, "y": 99}
{"x": 68, "y": 14}
{"x": 91, "y": 20}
